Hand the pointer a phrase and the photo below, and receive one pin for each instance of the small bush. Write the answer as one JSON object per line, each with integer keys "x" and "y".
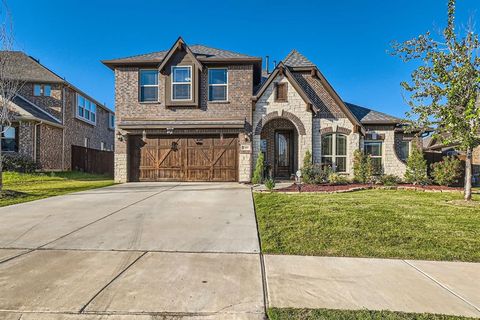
{"x": 335, "y": 178}
{"x": 258, "y": 173}
{"x": 314, "y": 174}
{"x": 389, "y": 180}
{"x": 447, "y": 172}
{"x": 270, "y": 183}
{"x": 416, "y": 172}
{"x": 363, "y": 168}
{"x": 18, "y": 163}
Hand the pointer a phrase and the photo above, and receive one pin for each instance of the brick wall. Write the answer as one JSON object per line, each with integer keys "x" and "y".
{"x": 239, "y": 105}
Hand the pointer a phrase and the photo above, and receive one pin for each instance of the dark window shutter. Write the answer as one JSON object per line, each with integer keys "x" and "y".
{"x": 281, "y": 92}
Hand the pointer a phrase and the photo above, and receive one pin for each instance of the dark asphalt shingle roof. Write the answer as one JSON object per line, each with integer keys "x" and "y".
{"x": 296, "y": 59}
{"x": 198, "y": 50}
{"x": 369, "y": 116}
{"x": 27, "y": 68}
{"x": 33, "y": 110}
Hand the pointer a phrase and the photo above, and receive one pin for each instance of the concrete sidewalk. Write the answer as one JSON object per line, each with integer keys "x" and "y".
{"x": 376, "y": 284}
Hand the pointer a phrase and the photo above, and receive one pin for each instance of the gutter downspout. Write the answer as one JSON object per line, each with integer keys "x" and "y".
{"x": 63, "y": 129}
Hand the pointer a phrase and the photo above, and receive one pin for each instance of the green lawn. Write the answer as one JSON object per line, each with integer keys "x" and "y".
{"x": 317, "y": 314}
{"x": 370, "y": 223}
{"x": 28, "y": 187}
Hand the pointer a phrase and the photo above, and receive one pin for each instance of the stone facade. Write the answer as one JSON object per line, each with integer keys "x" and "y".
{"x": 291, "y": 110}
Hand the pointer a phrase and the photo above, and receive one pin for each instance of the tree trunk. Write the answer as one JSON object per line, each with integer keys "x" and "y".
{"x": 468, "y": 176}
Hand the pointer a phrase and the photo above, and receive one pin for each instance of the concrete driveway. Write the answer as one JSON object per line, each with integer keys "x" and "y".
{"x": 133, "y": 251}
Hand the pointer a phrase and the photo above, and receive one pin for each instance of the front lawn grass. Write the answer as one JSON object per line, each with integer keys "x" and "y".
{"x": 371, "y": 223}
{"x": 317, "y": 314}
{"x": 22, "y": 187}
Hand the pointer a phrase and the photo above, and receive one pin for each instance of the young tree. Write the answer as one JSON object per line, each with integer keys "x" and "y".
{"x": 416, "y": 172}
{"x": 9, "y": 86}
{"x": 444, "y": 89}
{"x": 258, "y": 172}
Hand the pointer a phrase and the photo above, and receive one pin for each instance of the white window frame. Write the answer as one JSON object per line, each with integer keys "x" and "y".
{"x": 147, "y": 86}
{"x": 381, "y": 150}
{"x": 217, "y": 85}
{"x": 42, "y": 87}
{"x": 103, "y": 146}
{"x": 334, "y": 155}
{"x": 409, "y": 144}
{"x": 83, "y": 118}
{"x": 174, "y": 83}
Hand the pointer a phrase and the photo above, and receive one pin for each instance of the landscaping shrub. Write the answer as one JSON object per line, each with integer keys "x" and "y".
{"x": 416, "y": 167}
{"x": 389, "y": 180}
{"x": 314, "y": 174}
{"x": 270, "y": 183}
{"x": 258, "y": 173}
{"x": 18, "y": 163}
{"x": 362, "y": 167}
{"x": 447, "y": 172}
{"x": 336, "y": 178}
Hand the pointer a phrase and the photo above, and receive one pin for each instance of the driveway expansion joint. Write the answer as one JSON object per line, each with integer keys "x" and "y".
{"x": 443, "y": 286}
{"x": 111, "y": 281}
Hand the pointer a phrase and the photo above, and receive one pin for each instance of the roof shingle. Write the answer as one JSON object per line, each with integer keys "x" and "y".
{"x": 27, "y": 68}
{"x": 369, "y": 116}
{"x": 296, "y": 59}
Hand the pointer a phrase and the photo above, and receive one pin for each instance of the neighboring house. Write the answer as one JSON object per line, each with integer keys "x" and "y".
{"x": 197, "y": 113}
{"x": 51, "y": 115}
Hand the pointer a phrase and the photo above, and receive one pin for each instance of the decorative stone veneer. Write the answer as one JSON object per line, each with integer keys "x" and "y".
{"x": 294, "y": 105}
{"x": 335, "y": 125}
{"x": 391, "y": 162}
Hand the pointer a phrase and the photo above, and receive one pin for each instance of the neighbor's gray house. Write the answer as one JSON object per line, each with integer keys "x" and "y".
{"x": 50, "y": 115}
{"x": 196, "y": 113}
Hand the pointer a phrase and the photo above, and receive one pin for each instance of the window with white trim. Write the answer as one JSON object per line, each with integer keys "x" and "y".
{"x": 9, "y": 139}
{"x": 148, "y": 85}
{"x": 218, "y": 84}
{"x": 404, "y": 150}
{"x": 181, "y": 83}
{"x": 334, "y": 151}
{"x": 86, "y": 109}
{"x": 374, "y": 149}
{"x": 102, "y": 146}
{"x": 42, "y": 90}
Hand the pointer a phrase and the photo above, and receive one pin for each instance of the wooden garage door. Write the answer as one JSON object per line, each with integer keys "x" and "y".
{"x": 184, "y": 158}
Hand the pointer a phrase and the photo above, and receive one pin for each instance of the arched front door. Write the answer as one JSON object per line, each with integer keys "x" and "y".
{"x": 283, "y": 162}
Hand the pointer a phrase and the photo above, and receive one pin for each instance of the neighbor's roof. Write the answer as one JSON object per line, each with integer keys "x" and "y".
{"x": 27, "y": 110}
{"x": 295, "y": 59}
{"x": 202, "y": 53}
{"x": 28, "y": 69}
{"x": 369, "y": 116}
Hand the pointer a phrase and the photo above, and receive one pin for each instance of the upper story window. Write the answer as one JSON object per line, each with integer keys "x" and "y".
{"x": 148, "y": 85}
{"x": 86, "y": 109}
{"x": 374, "y": 150}
{"x": 9, "y": 139}
{"x": 42, "y": 90}
{"x": 281, "y": 91}
{"x": 218, "y": 84}
{"x": 334, "y": 151}
{"x": 182, "y": 83}
{"x": 111, "y": 120}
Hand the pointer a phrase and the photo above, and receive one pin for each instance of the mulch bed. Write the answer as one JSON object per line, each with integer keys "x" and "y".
{"x": 327, "y": 188}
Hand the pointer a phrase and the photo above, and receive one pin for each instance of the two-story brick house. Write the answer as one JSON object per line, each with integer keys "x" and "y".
{"x": 50, "y": 115}
{"x": 197, "y": 113}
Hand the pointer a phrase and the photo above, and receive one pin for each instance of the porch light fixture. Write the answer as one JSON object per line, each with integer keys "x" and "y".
{"x": 120, "y": 136}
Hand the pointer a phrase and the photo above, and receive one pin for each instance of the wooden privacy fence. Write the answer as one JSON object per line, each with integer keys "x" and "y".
{"x": 92, "y": 160}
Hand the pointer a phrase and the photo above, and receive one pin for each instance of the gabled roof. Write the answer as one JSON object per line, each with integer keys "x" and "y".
{"x": 282, "y": 69}
{"x": 180, "y": 45}
{"x": 295, "y": 59}
{"x": 369, "y": 116}
{"x": 26, "y": 109}
{"x": 27, "y": 68}
{"x": 201, "y": 52}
